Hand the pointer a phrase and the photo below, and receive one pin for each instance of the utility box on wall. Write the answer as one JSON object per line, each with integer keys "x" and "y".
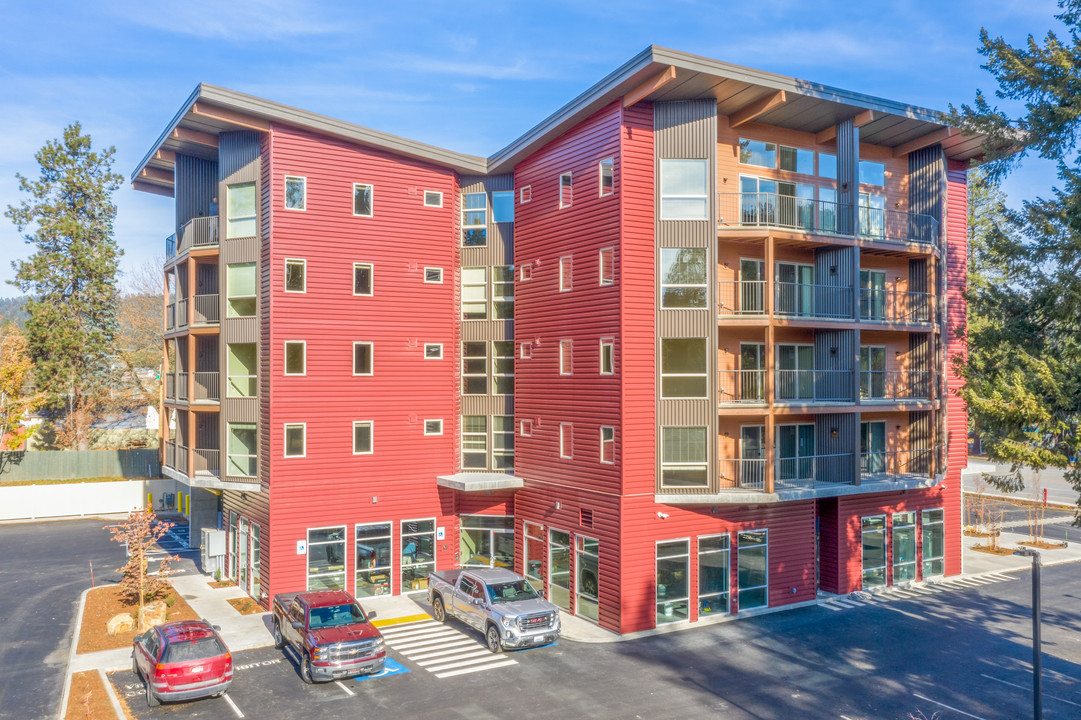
{"x": 212, "y": 550}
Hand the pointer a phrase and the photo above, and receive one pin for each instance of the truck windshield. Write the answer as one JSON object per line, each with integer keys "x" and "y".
{"x": 335, "y": 615}
{"x": 511, "y": 591}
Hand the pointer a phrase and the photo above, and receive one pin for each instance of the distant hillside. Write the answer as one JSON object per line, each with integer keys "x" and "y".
{"x": 13, "y": 309}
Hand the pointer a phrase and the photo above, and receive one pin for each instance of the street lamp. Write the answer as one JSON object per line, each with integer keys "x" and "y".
{"x": 1037, "y": 700}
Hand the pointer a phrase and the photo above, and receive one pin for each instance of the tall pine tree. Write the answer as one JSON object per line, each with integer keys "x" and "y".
{"x": 70, "y": 277}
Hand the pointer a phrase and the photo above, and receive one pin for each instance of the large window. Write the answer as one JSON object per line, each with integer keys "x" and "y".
{"x": 683, "y": 457}
{"x": 363, "y": 200}
{"x": 873, "y": 532}
{"x": 474, "y": 293}
{"x": 503, "y": 206}
{"x": 295, "y": 440}
{"x": 240, "y": 283}
{"x": 713, "y": 575}
{"x": 362, "y": 358}
{"x": 296, "y": 193}
{"x": 673, "y": 581}
{"x": 474, "y": 219}
{"x": 827, "y": 166}
{"x": 475, "y": 368}
{"x": 242, "y": 450}
{"x": 475, "y": 442}
{"x": 418, "y": 553}
{"x": 362, "y": 437}
{"x": 872, "y": 173}
{"x": 683, "y": 367}
{"x": 503, "y": 367}
{"x": 758, "y": 153}
{"x": 533, "y": 556}
{"x": 934, "y": 548}
{"x": 295, "y": 360}
{"x": 683, "y": 278}
{"x": 503, "y": 292}
{"x": 586, "y": 565}
{"x": 752, "y": 575}
{"x": 904, "y": 547}
{"x": 242, "y": 370}
{"x": 326, "y": 558}
{"x": 373, "y": 559}
{"x": 684, "y": 190}
{"x": 559, "y": 568}
{"x": 240, "y": 219}
{"x": 872, "y": 216}
{"x": 796, "y": 160}
{"x": 487, "y": 541}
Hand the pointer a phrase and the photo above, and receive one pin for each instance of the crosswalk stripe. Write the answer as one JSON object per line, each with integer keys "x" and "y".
{"x": 843, "y": 603}
{"x": 416, "y": 635}
{"x": 463, "y": 671}
{"x": 432, "y": 663}
{"x": 407, "y": 628}
{"x": 454, "y": 665}
{"x": 415, "y": 644}
{"x": 903, "y": 594}
{"x": 830, "y": 606}
{"x": 462, "y": 644}
{"x": 457, "y": 650}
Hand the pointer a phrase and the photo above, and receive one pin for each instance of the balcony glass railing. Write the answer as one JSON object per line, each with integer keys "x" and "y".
{"x": 747, "y": 474}
{"x": 170, "y": 247}
{"x": 741, "y": 386}
{"x": 894, "y": 306}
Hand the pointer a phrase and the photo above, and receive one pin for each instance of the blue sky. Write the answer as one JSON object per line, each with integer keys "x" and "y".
{"x": 470, "y": 77}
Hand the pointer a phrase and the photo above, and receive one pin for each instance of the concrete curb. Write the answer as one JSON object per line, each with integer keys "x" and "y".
{"x": 71, "y": 655}
{"x": 112, "y": 695}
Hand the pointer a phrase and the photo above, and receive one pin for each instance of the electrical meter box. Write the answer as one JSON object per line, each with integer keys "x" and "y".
{"x": 212, "y": 550}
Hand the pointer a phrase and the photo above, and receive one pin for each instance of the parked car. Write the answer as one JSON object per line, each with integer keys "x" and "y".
{"x": 182, "y": 660}
{"x": 330, "y": 632}
{"x": 500, "y": 603}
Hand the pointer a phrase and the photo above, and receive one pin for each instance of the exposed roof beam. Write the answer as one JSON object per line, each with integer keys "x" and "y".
{"x": 923, "y": 141}
{"x": 229, "y": 116}
{"x": 152, "y": 188}
{"x": 864, "y": 118}
{"x": 194, "y": 136}
{"x": 167, "y": 156}
{"x": 157, "y": 175}
{"x": 656, "y": 83}
{"x": 754, "y": 109}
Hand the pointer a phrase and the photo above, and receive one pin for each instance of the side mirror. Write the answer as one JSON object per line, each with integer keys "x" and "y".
{"x": 478, "y": 601}
{"x": 297, "y": 625}
{"x": 371, "y": 614}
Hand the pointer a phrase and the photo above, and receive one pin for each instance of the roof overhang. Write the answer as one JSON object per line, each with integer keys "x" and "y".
{"x": 477, "y": 481}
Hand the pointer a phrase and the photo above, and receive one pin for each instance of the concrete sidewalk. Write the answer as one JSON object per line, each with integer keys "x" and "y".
{"x": 975, "y": 562}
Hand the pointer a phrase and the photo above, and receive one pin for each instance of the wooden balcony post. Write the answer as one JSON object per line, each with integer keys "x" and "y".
{"x": 770, "y": 449}
{"x": 190, "y": 443}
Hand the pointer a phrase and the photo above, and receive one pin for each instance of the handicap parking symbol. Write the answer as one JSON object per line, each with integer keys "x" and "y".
{"x": 390, "y": 668}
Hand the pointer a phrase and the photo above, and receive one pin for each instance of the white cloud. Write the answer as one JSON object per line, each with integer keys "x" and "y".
{"x": 235, "y": 20}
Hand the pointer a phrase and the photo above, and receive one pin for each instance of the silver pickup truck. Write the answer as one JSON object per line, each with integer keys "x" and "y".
{"x": 500, "y": 603}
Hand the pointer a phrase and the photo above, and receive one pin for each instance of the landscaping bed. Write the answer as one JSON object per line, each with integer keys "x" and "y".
{"x": 218, "y": 584}
{"x": 83, "y": 684}
{"x": 993, "y": 550}
{"x": 246, "y": 606}
{"x": 1042, "y": 545}
{"x": 104, "y": 602}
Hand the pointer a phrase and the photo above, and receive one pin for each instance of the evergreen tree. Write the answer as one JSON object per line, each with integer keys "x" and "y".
{"x": 70, "y": 277}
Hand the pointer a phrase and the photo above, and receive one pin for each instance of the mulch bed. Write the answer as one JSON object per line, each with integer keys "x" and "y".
{"x": 103, "y": 603}
{"x": 1042, "y": 545}
{"x": 975, "y": 534}
{"x": 993, "y": 550}
{"x": 89, "y": 683}
{"x": 246, "y": 606}
{"x": 218, "y": 584}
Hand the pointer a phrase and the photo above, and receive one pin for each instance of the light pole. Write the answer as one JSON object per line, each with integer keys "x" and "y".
{"x": 1037, "y": 699}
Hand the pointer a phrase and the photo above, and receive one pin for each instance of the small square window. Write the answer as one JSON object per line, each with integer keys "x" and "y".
{"x": 362, "y": 279}
{"x": 433, "y": 198}
{"x": 525, "y": 194}
{"x": 566, "y": 190}
{"x": 503, "y": 206}
{"x": 525, "y": 272}
{"x": 362, "y": 437}
{"x": 525, "y": 428}
{"x": 433, "y": 427}
{"x": 433, "y": 275}
{"x": 607, "y": 266}
{"x": 296, "y": 193}
{"x": 433, "y": 351}
{"x": 363, "y": 202}
{"x": 566, "y": 357}
{"x": 607, "y": 176}
{"x": 526, "y": 352}
{"x": 295, "y": 360}
{"x": 566, "y": 440}
{"x": 566, "y": 273}
{"x": 294, "y": 440}
{"x": 296, "y": 272}
{"x": 362, "y": 358}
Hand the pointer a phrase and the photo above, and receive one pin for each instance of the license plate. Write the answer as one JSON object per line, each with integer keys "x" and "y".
{"x": 197, "y": 669}
{"x": 538, "y": 639}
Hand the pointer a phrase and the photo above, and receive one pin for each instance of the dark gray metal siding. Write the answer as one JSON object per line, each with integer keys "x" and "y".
{"x": 835, "y": 267}
{"x": 834, "y": 353}
{"x": 196, "y": 187}
{"x": 848, "y": 160}
{"x": 844, "y": 446}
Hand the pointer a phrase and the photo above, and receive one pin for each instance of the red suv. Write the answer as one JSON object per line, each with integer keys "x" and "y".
{"x": 182, "y": 660}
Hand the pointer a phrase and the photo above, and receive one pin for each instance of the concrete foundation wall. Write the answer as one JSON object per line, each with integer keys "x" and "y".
{"x": 29, "y": 502}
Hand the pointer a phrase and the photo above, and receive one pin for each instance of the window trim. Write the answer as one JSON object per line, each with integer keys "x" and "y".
{"x": 765, "y": 545}
{"x": 285, "y": 439}
{"x": 704, "y": 374}
{"x": 611, "y": 443}
{"x": 669, "y": 285}
{"x": 611, "y": 278}
{"x": 285, "y": 278}
{"x": 885, "y": 567}
{"x": 568, "y": 368}
{"x": 371, "y": 279}
{"x": 525, "y": 194}
{"x": 285, "y": 193}
{"x": 923, "y": 546}
{"x": 285, "y": 358}
{"x": 228, "y": 435}
{"x": 433, "y": 345}
{"x": 703, "y": 465}
{"x": 353, "y": 199}
{"x": 662, "y": 214}
{"x": 371, "y": 357}
{"x": 525, "y": 427}
{"x": 611, "y": 163}
{"x": 525, "y": 272}
{"x": 229, "y": 296}
{"x": 565, "y": 202}
{"x": 526, "y": 351}
{"x": 433, "y": 282}
{"x": 610, "y": 343}
{"x": 345, "y": 555}
{"x": 483, "y": 226}
{"x": 371, "y": 437}
{"x": 230, "y": 220}
{"x": 433, "y": 420}
{"x": 690, "y": 588}
{"x": 437, "y": 193}
{"x": 487, "y": 368}
{"x": 727, "y": 552}
{"x": 566, "y": 441}
{"x": 566, "y": 273}
{"x": 487, "y": 295}
{"x": 503, "y": 193}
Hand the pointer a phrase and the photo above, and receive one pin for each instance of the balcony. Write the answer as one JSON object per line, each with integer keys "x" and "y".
{"x": 181, "y": 313}
{"x": 170, "y": 247}
{"x": 740, "y": 387}
{"x": 170, "y": 387}
{"x": 895, "y": 466}
{"x": 747, "y": 299}
{"x": 800, "y": 300}
{"x": 894, "y": 385}
{"x": 206, "y": 309}
{"x": 786, "y": 212}
{"x": 182, "y": 386}
{"x": 207, "y": 387}
{"x": 198, "y": 233}
{"x": 806, "y": 386}
{"x": 741, "y": 298}
{"x": 207, "y": 462}
{"x": 170, "y": 317}
{"x": 895, "y": 306}
{"x": 812, "y": 471}
{"x": 745, "y": 474}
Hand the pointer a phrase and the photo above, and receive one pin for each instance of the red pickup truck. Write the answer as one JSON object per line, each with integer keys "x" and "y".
{"x": 330, "y": 632}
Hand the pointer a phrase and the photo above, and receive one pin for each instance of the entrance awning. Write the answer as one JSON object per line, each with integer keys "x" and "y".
{"x": 476, "y": 481}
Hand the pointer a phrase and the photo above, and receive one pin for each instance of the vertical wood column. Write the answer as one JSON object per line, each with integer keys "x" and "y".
{"x": 771, "y": 374}
{"x": 190, "y": 440}
{"x": 191, "y": 291}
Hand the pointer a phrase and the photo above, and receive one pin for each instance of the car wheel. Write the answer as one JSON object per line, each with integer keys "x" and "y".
{"x": 279, "y": 641}
{"x": 492, "y": 636}
{"x": 306, "y": 669}
{"x": 151, "y": 699}
{"x": 438, "y": 611}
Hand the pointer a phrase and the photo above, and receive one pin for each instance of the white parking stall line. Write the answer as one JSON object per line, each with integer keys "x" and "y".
{"x": 233, "y": 705}
{"x": 464, "y": 671}
{"x": 948, "y": 707}
{"x": 829, "y": 606}
{"x": 348, "y": 692}
{"x": 903, "y": 594}
{"x": 479, "y": 653}
{"x": 447, "y": 649}
{"x": 844, "y": 603}
{"x": 1029, "y": 689}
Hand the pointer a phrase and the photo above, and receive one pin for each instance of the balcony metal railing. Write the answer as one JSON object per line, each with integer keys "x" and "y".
{"x": 812, "y": 470}
{"x": 894, "y": 465}
{"x": 182, "y": 313}
{"x": 207, "y": 462}
{"x": 827, "y": 218}
{"x": 170, "y": 454}
{"x": 888, "y": 385}
{"x": 895, "y": 306}
{"x": 170, "y": 386}
{"x": 741, "y": 297}
{"x": 181, "y": 386}
{"x": 741, "y": 386}
{"x": 748, "y": 474}
{"x": 814, "y": 386}
{"x": 170, "y": 317}
{"x": 197, "y": 233}
{"x": 813, "y": 301}
{"x": 206, "y": 309}
{"x": 170, "y": 247}
{"x": 207, "y": 386}
{"x": 180, "y": 461}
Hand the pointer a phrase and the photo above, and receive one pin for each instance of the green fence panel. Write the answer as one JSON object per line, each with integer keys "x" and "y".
{"x": 75, "y": 464}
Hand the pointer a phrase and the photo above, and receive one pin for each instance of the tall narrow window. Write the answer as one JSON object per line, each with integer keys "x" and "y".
{"x": 607, "y": 176}
{"x": 934, "y": 550}
{"x": 673, "y": 586}
{"x": 607, "y": 266}
{"x": 362, "y": 358}
{"x": 474, "y": 442}
{"x": 566, "y": 440}
{"x": 608, "y": 356}
{"x": 295, "y": 445}
{"x": 296, "y": 272}
{"x": 240, "y": 282}
{"x": 503, "y": 443}
{"x": 683, "y": 278}
{"x": 503, "y": 292}
{"x": 873, "y": 532}
{"x": 242, "y": 364}
{"x": 684, "y": 367}
{"x": 362, "y": 437}
{"x": 242, "y": 450}
{"x": 503, "y": 206}
{"x": 525, "y": 194}
{"x": 608, "y": 445}
{"x": 684, "y": 190}
{"x": 753, "y": 575}
{"x": 363, "y": 279}
{"x": 326, "y": 558}
{"x": 503, "y": 367}
{"x": 373, "y": 559}
{"x": 683, "y": 457}
{"x": 566, "y": 357}
{"x": 565, "y": 190}
{"x": 296, "y": 193}
{"x": 475, "y": 368}
{"x": 295, "y": 361}
{"x": 363, "y": 200}
{"x": 474, "y": 219}
{"x": 566, "y": 273}
{"x": 474, "y": 293}
{"x": 904, "y": 547}
{"x": 713, "y": 575}
{"x": 240, "y": 216}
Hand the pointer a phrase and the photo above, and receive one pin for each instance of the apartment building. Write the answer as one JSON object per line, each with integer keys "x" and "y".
{"x": 682, "y": 350}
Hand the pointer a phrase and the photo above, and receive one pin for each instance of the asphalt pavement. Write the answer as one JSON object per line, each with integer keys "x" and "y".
{"x": 1053, "y": 480}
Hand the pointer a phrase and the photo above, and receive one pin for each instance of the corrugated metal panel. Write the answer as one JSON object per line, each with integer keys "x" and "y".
{"x": 835, "y": 267}
{"x": 837, "y": 434}
{"x": 917, "y": 275}
{"x": 206, "y": 353}
{"x": 685, "y": 323}
{"x": 196, "y": 186}
{"x": 835, "y": 351}
{"x": 238, "y": 156}
{"x": 829, "y": 563}
{"x": 683, "y": 129}
{"x": 684, "y": 412}
{"x": 925, "y": 180}
{"x": 848, "y": 156}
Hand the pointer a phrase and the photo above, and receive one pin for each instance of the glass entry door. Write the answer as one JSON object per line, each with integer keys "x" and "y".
{"x": 752, "y": 287}
{"x": 587, "y": 571}
{"x": 752, "y": 376}
{"x": 795, "y": 289}
{"x": 873, "y": 371}
{"x": 873, "y": 447}
{"x": 872, "y": 294}
{"x": 795, "y": 452}
{"x": 795, "y": 372}
{"x": 243, "y": 538}
{"x": 559, "y": 568}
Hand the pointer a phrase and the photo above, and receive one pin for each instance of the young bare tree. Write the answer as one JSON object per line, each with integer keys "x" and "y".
{"x": 140, "y": 334}
{"x": 139, "y": 532}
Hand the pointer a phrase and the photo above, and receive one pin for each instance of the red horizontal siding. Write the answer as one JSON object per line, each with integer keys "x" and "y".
{"x": 956, "y": 347}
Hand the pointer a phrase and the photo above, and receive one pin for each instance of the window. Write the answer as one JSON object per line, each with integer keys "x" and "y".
{"x": 433, "y": 351}
{"x": 525, "y": 194}
{"x": 363, "y": 279}
{"x": 566, "y": 273}
{"x": 296, "y": 193}
{"x": 684, "y": 188}
{"x": 683, "y": 367}
{"x": 683, "y": 278}
{"x": 295, "y": 360}
{"x": 608, "y": 445}
{"x": 526, "y": 272}
{"x": 526, "y": 351}
{"x": 326, "y": 558}
{"x": 713, "y": 575}
{"x": 795, "y": 372}
{"x": 873, "y": 532}
{"x": 534, "y": 555}
{"x": 795, "y": 463}
{"x": 433, "y": 427}
{"x": 586, "y": 569}
{"x": 758, "y": 153}
{"x": 362, "y": 358}
{"x": 933, "y": 543}
{"x": 566, "y": 190}
{"x": 296, "y": 271}
{"x": 241, "y": 283}
{"x": 474, "y": 368}
{"x": 904, "y": 547}
{"x": 503, "y": 292}
{"x": 486, "y": 541}
{"x": 752, "y": 576}
{"x": 363, "y": 202}
{"x": 418, "y": 553}
{"x": 433, "y": 199}
{"x": 608, "y": 356}
{"x": 503, "y": 443}
{"x": 559, "y": 568}
{"x": 474, "y": 220}
{"x": 362, "y": 437}
{"x": 503, "y": 206}
{"x": 606, "y": 170}
{"x": 872, "y": 371}
{"x": 872, "y": 173}
{"x": 607, "y": 266}
{"x": 827, "y": 166}
{"x": 525, "y": 428}
{"x": 242, "y": 450}
{"x": 683, "y": 457}
{"x": 242, "y": 370}
{"x": 373, "y": 559}
{"x": 673, "y": 588}
{"x": 502, "y": 367}
{"x": 873, "y": 294}
{"x": 566, "y": 440}
{"x": 474, "y": 442}
{"x": 294, "y": 440}
{"x": 872, "y": 215}
{"x": 240, "y": 211}
{"x": 797, "y": 160}
{"x": 566, "y": 357}
{"x": 474, "y": 293}
{"x": 433, "y": 275}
